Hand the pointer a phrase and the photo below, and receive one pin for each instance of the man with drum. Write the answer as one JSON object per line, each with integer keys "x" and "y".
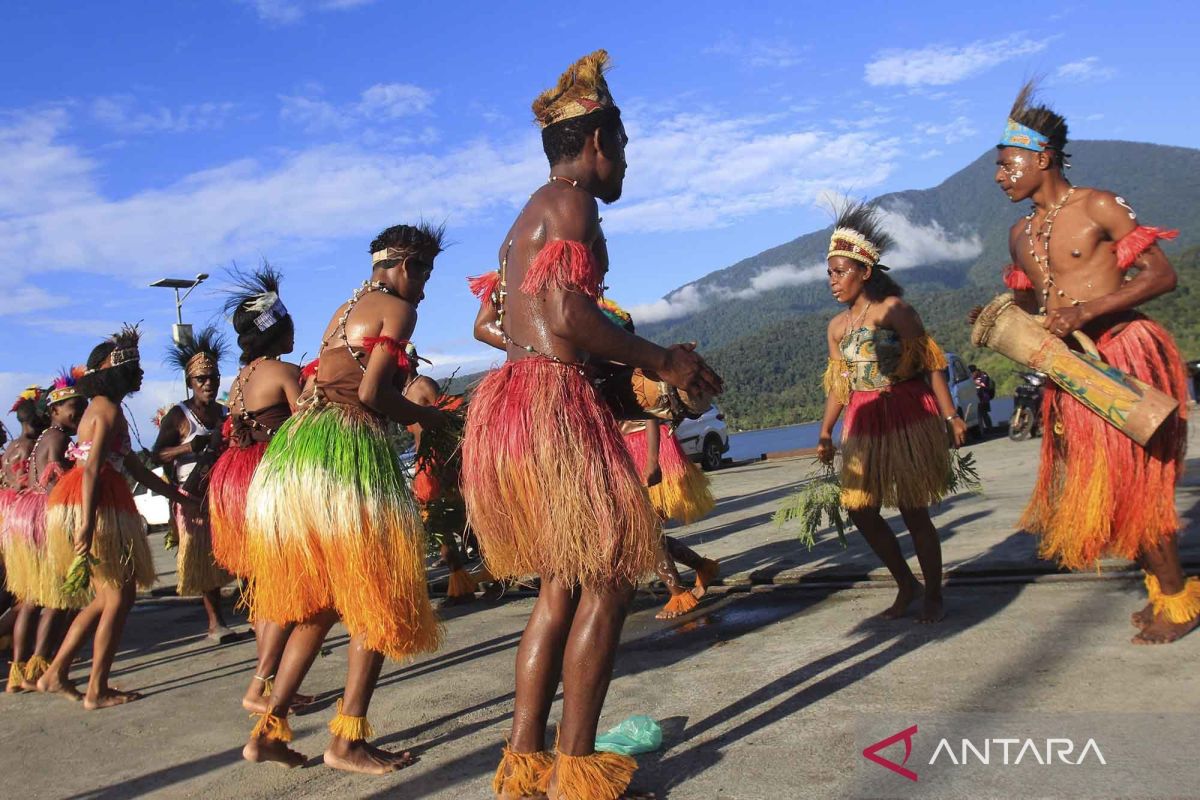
{"x": 549, "y": 486}
{"x": 1082, "y": 260}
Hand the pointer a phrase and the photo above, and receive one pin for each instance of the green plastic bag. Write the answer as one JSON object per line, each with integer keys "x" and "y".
{"x": 638, "y": 734}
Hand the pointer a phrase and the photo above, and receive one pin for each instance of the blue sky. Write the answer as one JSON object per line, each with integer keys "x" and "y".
{"x": 140, "y": 140}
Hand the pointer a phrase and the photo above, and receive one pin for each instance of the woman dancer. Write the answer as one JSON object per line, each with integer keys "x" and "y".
{"x": 91, "y": 512}
{"x": 262, "y": 398}
{"x": 887, "y": 374}
{"x": 30, "y": 410}
{"x": 359, "y": 553}
{"x": 31, "y": 576}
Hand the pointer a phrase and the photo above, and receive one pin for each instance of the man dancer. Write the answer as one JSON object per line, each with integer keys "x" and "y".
{"x": 549, "y": 485}
{"x": 186, "y": 449}
{"x": 1098, "y": 491}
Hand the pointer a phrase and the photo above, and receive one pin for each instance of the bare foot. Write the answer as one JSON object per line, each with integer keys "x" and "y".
{"x": 257, "y": 704}
{"x": 678, "y": 605}
{"x": 365, "y": 758}
{"x": 708, "y": 572}
{"x": 51, "y": 683}
{"x": 28, "y": 685}
{"x": 905, "y": 596}
{"x": 1162, "y": 631}
{"x": 1141, "y": 619}
{"x": 260, "y": 750}
{"x": 108, "y": 698}
{"x": 932, "y": 610}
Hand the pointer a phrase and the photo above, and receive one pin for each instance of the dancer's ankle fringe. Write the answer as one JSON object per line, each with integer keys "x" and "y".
{"x": 35, "y": 668}
{"x": 461, "y": 584}
{"x": 597, "y": 776}
{"x": 355, "y": 729}
{"x": 272, "y": 727}
{"x": 1181, "y": 607}
{"x": 16, "y": 674}
{"x": 519, "y": 774}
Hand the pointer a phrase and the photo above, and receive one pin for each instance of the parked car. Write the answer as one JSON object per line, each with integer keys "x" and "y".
{"x": 154, "y": 508}
{"x": 705, "y": 439}
{"x": 964, "y": 393}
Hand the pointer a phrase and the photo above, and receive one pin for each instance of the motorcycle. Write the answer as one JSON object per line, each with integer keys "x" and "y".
{"x": 1027, "y": 407}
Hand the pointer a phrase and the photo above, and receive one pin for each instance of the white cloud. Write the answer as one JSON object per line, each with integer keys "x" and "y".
{"x": 687, "y": 171}
{"x": 381, "y": 102}
{"x": 941, "y": 65}
{"x": 1087, "y": 69}
{"x": 951, "y": 132}
{"x": 757, "y": 53}
{"x": 121, "y": 114}
{"x": 916, "y": 245}
{"x": 286, "y": 12}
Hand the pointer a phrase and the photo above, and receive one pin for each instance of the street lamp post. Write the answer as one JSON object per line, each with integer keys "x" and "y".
{"x": 179, "y": 331}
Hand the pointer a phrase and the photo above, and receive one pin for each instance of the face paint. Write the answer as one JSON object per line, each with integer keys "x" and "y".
{"x": 1125, "y": 205}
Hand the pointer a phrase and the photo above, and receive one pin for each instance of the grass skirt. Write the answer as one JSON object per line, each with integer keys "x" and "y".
{"x": 1098, "y": 491}
{"x": 196, "y": 571}
{"x": 550, "y": 487}
{"x": 331, "y": 523}
{"x": 31, "y": 574}
{"x": 895, "y": 450}
{"x": 119, "y": 543}
{"x": 684, "y": 494}
{"x": 227, "y": 488}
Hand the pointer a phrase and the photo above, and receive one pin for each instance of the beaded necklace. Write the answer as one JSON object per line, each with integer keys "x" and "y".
{"x": 32, "y": 466}
{"x": 238, "y": 387}
{"x": 1043, "y": 262}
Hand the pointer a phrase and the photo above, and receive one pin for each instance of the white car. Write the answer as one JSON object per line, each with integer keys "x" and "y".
{"x": 706, "y": 439}
{"x": 154, "y": 508}
{"x": 963, "y": 391}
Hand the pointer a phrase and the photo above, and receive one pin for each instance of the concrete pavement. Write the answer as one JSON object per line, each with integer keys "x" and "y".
{"x": 760, "y": 691}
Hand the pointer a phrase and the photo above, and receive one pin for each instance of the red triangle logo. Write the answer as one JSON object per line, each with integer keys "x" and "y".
{"x": 872, "y": 752}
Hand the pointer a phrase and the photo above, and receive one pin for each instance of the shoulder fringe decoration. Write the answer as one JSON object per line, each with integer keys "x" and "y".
{"x": 837, "y": 380}
{"x": 518, "y": 774}
{"x": 918, "y": 355}
{"x": 1138, "y": 241}
{"x": 1179, "y": 608}
{"x": 614, "y": 312}
{"x": 598, "y": 776}
{"x": 398, "y": 349}
{"x": 485, "y": 286}
{"x": 1016, "y": 279}
{"x": 309, "y": 370}
{"x": 272, "y": 727}
{"x": 354, "y": 729}
{"x": 565, "y": 264}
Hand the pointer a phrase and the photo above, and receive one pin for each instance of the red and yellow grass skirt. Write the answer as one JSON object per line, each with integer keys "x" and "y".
{"x": 1098, "y": 491}
{"x": 31, "y": 575}
{"x": 119, "y": 543}
{"x": 227, "y": 488}
{"x": 895, "y": 450}
{"x": 683, "y": 494}
{"x": 331, "y": 524}
{"x": 550, "y": 487}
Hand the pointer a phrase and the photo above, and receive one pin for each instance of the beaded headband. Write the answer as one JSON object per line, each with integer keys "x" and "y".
{"x": 852, "y": 244}
{"x": 201, "y": 364}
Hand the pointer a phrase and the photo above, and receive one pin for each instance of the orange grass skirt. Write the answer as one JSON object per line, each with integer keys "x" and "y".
{"x": 550, "y": 488}
{"x": 331, "y": 524}
{"x": 119, "y": 542}
{"x": 684, "y": 493}
{"x": 1099, "y": 492}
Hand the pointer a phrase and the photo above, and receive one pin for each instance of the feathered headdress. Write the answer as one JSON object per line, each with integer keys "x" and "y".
{"x": 858, "y": 234}
{"x": 198, "y": 354}
{"x": 63, "y": 388}
{"x": 32, "y": 394}
{"x": 257, "y": 293}
{"x": 581, "y": 90}
{"x": 1034, "y": 126}
{"x": 125, "y": 348}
